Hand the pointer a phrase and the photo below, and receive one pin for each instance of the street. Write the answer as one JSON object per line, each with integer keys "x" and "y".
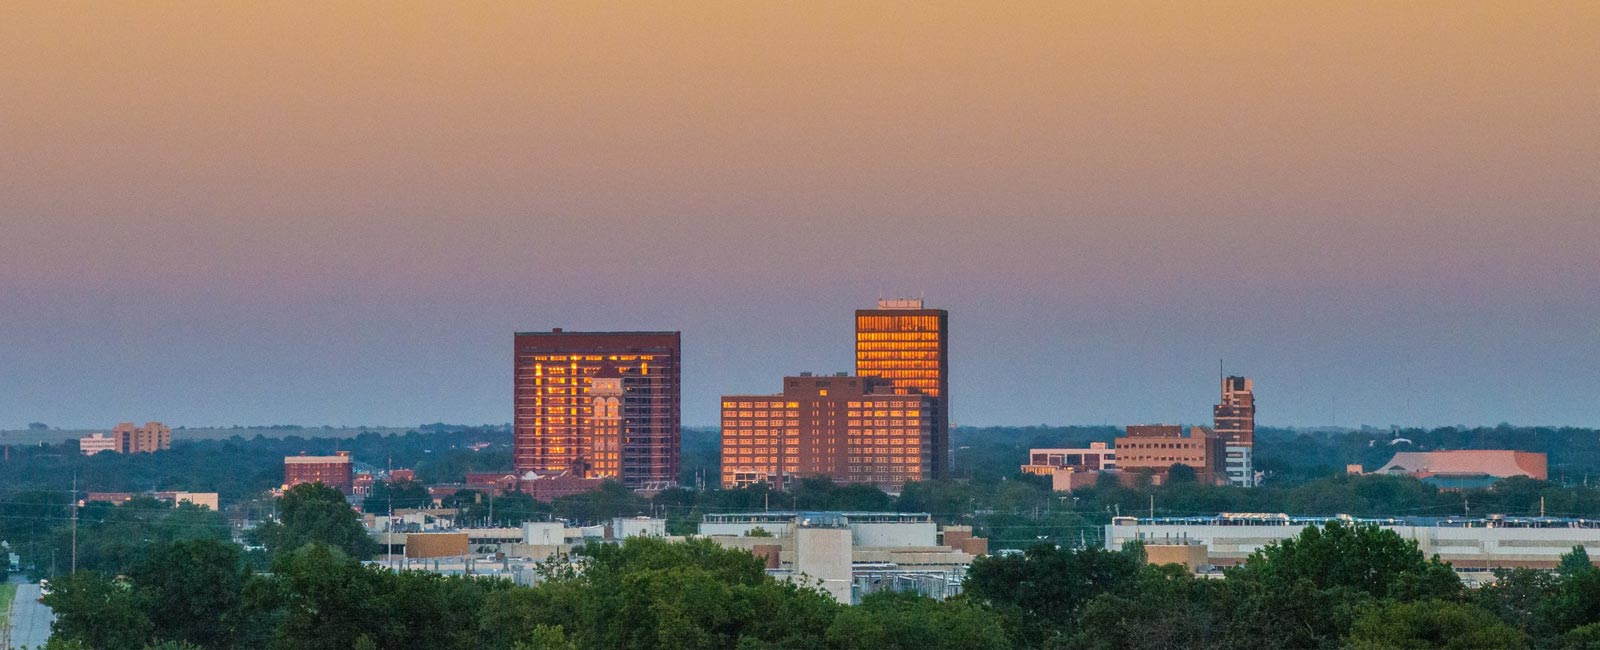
{"x": 30, "y": 619}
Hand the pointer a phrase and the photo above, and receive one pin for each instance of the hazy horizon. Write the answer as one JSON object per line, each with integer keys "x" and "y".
{"x": 301, "y": 213}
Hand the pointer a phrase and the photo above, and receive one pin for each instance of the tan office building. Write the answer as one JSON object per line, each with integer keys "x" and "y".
{"x": 1155, "y": 448}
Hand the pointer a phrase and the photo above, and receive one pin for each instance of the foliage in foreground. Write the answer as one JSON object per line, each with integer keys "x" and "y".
{"x": 1332, "y": 587}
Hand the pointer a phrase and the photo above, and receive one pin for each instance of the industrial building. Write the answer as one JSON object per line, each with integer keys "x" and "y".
{"x": 1474, "y": 546}
{"x": 1467, "y": 468}
{"x": 850, "y": 554}
{"x": 1070, "y": 469}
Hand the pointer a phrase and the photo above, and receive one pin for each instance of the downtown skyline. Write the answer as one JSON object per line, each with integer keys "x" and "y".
{"x": 225, "y": 215}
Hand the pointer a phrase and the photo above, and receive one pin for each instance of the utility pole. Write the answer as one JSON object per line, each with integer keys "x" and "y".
{"x": 1152, "y": 505}
{"x": 74, "y": 524}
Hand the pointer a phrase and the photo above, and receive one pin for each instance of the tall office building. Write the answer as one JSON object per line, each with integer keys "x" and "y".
{"x": 849, "y": 429}
{"x": 598, "y": 405}
{"x": 1235, "y": 423}
{"x": 910, "y": 346}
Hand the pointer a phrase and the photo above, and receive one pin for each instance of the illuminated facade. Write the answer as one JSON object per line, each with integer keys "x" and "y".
{"x": 598, "y": 405}
{"x": 909, "y": 346}
{"x": 849, "y": 429}
{"x": 1235, "y": 421}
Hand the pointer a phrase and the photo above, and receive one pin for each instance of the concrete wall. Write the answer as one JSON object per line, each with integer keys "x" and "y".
{"x": 624, "y": 527}
{"x": 922, "y": 533}
{"x": 823, "y": 554}
{"x": 544, "y": 533}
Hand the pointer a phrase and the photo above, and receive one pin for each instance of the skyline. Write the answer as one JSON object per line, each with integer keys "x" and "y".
{"x": 231, "y": 215}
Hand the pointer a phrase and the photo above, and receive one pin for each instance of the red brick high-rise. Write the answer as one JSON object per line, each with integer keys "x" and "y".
{"x": 334, "y": 471}
{"x": 598, "y": 405}
{"x": 1234, "y": 418}
{"x": 910, "y": 346}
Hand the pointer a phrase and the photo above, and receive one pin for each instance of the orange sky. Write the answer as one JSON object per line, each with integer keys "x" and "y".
{"x": 1087, "y": 168}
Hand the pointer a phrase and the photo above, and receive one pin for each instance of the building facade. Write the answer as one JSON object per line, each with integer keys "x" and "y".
{"x": 909, "y": 345}
{"x": 1155, "y": 448}
{"x": 1235, "y": 420}
{"x": 849, "y": 429}
{"x": 1098, "y": 456}
{"x": 334, "y": 471}
{"x": 598, "y": 405}
{"x": 150, "y": 438}
{"x": 1070, "y": 469}
{"x": 97, "y": 443}
{"x": 1467, "y": 468}
{"x": 1474, "y": 546}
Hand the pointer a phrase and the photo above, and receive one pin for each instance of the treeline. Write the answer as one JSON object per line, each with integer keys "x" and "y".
{"x": 241, "y": 468}
{"x": 1331, "y": 587}
{"x": 1291, "y": 456}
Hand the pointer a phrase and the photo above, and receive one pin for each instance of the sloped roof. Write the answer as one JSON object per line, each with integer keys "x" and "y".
{"x": 1500, "y": 463}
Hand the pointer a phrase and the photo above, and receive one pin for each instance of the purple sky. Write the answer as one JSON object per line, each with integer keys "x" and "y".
{"x": 328, "y": 216}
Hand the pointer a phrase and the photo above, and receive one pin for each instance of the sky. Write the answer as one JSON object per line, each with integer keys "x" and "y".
{"x": 258, "y": 213}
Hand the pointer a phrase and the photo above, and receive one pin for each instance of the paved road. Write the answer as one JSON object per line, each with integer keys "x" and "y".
{"x": 30, "y": 620}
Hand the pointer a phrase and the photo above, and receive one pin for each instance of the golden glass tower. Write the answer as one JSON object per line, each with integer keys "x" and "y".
{"x": 908, "y": 345}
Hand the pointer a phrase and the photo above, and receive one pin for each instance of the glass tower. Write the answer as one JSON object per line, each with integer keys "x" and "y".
{"x": 908, "y": 345}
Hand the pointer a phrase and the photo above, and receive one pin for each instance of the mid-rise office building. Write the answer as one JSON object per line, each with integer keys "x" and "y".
{"x": 334, "y": 471}
{"x": 849, "y": 429}
{"x": 909, "y": 345}
{"x": 1155, "y": 448}
{"x": 598, "y": 405}
{"x": 152, "y": 437}
{"x": 1235, "y": 421}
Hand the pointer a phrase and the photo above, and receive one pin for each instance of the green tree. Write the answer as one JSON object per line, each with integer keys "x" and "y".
{"x": 1181, "y": 474}
{"x": 98, "y": 612}
{"x": 1166, "y": 607}
{"x": 1305, "y": 591}
{"x": 692, "y": 594}
{"x": 192, "y": 591}
{"x": 897, "y": 621}
{"x": 509, "y": 509}
{"x": 396, "y": 494}
{"x": 1042, "y": 591}
{"x": 1431, "y": 624}
{"x": 1574, "y": 603}
{"x": 1575, "y": 562}
{"x": 1364, "y": 559}
{"x": 313, "y": 512}
{"x": 1581, "y": 638}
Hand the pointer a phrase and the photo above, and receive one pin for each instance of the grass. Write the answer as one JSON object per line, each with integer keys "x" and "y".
{"x": 8, "y": 592}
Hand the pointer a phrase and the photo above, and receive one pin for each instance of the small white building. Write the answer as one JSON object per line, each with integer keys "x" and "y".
{"x": 97, "y": 443}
